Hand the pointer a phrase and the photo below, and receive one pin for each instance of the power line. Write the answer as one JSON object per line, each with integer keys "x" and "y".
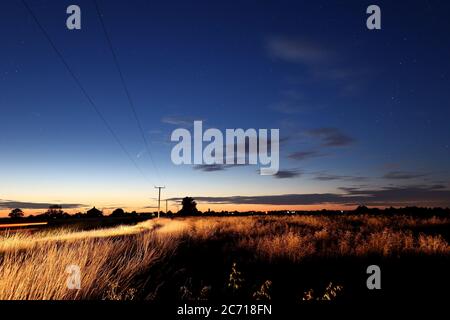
{"x": 124, "y": 84}
{"x": 83, "y": 90}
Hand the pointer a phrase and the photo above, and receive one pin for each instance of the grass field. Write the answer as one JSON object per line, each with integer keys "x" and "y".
{"x": 290, "y": 258}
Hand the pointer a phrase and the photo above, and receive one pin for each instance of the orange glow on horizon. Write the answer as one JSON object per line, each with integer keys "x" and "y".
{"x": 201, "y": 206}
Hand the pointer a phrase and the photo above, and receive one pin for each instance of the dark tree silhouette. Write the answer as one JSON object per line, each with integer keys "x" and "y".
{"x": 16, "y": 213}
{"x": 55, "y": 212}
{"x": 189, "y": 207}
{"x": 361, "y": 209}
{"x": 94, "y": 213}
{"x": 119, "y": 212}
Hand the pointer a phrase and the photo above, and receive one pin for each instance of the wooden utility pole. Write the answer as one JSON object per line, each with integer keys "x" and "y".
{"x": 159, "y": 199}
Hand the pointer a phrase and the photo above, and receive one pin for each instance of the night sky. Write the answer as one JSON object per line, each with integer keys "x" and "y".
{"x": 363, "y": 114}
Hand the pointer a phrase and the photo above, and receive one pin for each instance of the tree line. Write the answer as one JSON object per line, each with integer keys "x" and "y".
{"x": 189, "y": 208}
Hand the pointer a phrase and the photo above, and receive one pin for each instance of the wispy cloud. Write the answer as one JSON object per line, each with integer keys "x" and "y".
{"x": 331, "y": 137}
{"x": 322, "y": 61}
{"x": 304, "y": 155}
{"x": 297, "y": 50}
{"x": 10, "y": 204}
{"x": 211, "y": 167}
{"x": 234, "y": 159}
{"x": 183, "y": 121}
{"x": 401, "y": 195}
{"x": 403, "y": 175}
{"x": 150, "y": 207}
{"x": 288, "y": 174}
{"x": 325, "y": 176}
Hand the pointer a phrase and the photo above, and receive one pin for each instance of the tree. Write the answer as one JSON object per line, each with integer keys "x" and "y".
{"x": 119, "y": 212}
{"x": 189, "y": 207}
{"x": 94, "y": 213}
{"x": 361, "y": 209}
{"x": 16, "y": 213}
{"x": 55, "y": 212}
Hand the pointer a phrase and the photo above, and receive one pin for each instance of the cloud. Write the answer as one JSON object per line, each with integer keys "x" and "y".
{"x": 182, "y": 121}
{"x": 324, "y": 176}
{"x": 403, "y": 175}
{"x": 281, "y": 174}
{"x": 10, "y": 204}
{"x": 403, "y": 195}
{"x": 284, "y": 199}
{"x": 211, "y": 167}
{"x": 331, "y": 137}
{"x": 321, "y": 61}
{"x": 296, "y": 50}
{"x": 222, "y": 154}
{"x": 150, "y": 207}
{"x": 387, "y": 196}
{"x": 303, "y": 155}
{"x": 287, "y": 174}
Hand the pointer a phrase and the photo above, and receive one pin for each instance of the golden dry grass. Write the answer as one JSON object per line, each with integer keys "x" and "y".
{"x": 297, "y": 237}
{"x": 116, "y": 263}
{"x": 34, "y": 267}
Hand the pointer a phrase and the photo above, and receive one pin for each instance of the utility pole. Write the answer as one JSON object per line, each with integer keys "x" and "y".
{"x": 159, "y": 198}
{"x": 166, "y": 205}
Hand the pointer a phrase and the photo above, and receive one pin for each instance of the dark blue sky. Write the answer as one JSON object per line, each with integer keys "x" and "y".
{"x": 358, "y": 110}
